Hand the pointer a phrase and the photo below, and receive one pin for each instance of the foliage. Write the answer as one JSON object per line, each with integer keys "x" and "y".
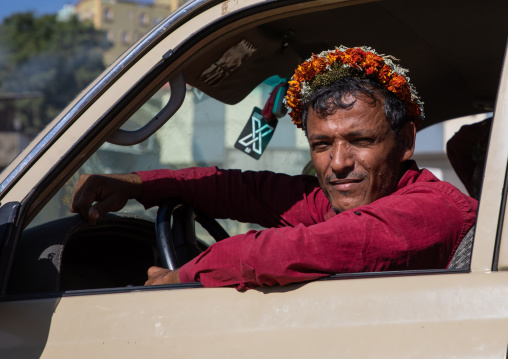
{"x": 57, "y": 59}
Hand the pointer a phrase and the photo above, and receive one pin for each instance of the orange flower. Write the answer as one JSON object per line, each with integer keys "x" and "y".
{"x": 318, "y": 64}
{"x": 397, "y": 81}
{"x": 373, "y": 65}
{"x": 332, "y": 56}
{"x": 384, "y": 74}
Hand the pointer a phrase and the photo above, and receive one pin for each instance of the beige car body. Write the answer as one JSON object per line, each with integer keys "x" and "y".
{"x": 418, "y": 314}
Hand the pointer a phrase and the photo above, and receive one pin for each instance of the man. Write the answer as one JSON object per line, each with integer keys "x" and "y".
{"x": 369, "y": 209}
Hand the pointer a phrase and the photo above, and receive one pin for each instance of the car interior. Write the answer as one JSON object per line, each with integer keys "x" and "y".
{"x": 455, "y": 65}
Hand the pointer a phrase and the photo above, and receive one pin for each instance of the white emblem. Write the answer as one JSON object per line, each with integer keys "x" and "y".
{"x": 256, "y": 137}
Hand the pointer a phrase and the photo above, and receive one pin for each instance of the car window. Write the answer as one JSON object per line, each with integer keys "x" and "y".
{"x": 202, "y": 133}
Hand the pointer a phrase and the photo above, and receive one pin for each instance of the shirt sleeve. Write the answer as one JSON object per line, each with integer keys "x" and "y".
{"x": 415, "y": 228}
{"x": 265, "y": 198}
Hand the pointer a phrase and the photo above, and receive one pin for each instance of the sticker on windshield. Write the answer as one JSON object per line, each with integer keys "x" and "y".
{"x": 256, "y": 134}
{"x": 229, "y": 61}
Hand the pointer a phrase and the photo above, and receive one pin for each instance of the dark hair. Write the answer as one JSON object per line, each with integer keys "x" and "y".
{"x": 327, "y": 99}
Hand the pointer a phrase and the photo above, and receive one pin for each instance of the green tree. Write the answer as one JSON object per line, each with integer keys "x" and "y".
{"x": 57, "y": 59}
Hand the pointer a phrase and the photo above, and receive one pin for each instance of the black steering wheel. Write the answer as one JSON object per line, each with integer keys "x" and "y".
{"x": 176, "y": 234}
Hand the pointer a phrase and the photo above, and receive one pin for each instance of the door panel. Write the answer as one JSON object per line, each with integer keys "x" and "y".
{"x": 446, "y": 315}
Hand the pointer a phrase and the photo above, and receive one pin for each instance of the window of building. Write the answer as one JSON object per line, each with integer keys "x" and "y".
{"x": 126, "y": 38}
{"x": 144, "y": 19}
{"x": 108, "y": 14}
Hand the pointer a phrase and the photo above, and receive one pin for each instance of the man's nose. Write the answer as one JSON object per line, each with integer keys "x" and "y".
{"x": 341, "y": 159}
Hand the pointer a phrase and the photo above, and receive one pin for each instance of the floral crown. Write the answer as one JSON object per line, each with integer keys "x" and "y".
{"x": 359, "y": 62}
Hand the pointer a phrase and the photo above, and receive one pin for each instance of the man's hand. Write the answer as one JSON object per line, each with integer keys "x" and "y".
{"x": 158, "y": 275}
{"x": 109, "y": 192}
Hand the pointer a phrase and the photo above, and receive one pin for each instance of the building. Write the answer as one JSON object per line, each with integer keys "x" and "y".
{"x": 124, "y": 21}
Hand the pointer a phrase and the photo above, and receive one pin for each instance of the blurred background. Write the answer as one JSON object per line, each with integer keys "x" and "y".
{"x": 50, "y": 50}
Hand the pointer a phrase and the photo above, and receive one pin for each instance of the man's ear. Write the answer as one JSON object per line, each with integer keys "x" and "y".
{"x": 407, "y": 137}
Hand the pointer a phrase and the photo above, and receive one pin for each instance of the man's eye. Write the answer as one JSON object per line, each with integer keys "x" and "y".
{"x": 362, "y": 141}
{"x": 319, "y": 146}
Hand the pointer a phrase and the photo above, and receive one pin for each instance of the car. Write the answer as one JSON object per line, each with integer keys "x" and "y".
{"x": 182, "y": 96}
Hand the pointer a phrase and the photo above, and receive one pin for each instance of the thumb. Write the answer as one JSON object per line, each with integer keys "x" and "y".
{"x": 94, "y": 215}
{"x": 109, "y": 204}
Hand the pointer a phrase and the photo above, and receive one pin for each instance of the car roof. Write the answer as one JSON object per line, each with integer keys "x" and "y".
{"x": 453, "y": 49}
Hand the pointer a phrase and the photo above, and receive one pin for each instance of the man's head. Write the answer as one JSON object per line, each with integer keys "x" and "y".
{"x": 356, "y": 150}
{"x": 358, "y": 116}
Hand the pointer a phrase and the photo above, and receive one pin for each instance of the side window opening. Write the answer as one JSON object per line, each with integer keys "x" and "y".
{"x": 202, "y": 133}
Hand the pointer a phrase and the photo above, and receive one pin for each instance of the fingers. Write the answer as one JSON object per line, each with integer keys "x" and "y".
{"x": 108, "y": 198}
{"x": 87, "y": 190}
{"x": 153, "y": 270}
{"x": 96, "y": 195}
{"x": 81, "y": 200}
{"x": 94, "y": 215}
{"x": 158, "y": 276}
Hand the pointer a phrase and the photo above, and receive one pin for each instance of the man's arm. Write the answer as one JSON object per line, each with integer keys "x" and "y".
{"x": 417, "y": 229}
{"x": 266, "y": 198}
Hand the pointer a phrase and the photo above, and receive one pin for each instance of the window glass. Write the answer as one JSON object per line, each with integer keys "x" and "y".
{"x": 108, "y": 14}
{"x": 126, "y": 37}
{"x": 144, "y": 19}
{"x": 202, "y": 133}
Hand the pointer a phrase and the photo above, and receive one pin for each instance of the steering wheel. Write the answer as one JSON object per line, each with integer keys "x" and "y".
{"x": 176, "y": 235}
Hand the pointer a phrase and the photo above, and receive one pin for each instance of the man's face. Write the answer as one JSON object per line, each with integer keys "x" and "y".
{"x": 354, "y": 153}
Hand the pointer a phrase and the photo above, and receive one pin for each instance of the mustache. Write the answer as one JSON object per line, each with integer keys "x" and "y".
{"x": 346, "y": 176}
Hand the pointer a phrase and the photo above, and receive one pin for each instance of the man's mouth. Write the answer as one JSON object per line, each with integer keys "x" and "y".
{"x": 345, "y": 185}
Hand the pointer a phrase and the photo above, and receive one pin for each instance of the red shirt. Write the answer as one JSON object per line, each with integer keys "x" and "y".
{"x": 419, "y": 226}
